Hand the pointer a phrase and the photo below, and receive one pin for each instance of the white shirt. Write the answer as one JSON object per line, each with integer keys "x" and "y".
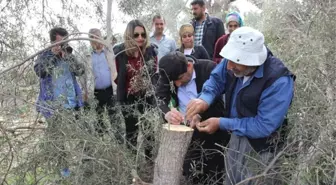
{"x": 246, "y": 78}
{"x": 188, "y": 51}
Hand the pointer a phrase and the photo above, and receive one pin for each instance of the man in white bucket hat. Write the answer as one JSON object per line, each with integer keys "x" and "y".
{"x": 258, "y": 91}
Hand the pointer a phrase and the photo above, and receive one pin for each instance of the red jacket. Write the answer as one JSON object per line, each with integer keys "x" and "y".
{"x": 221, "y": 42}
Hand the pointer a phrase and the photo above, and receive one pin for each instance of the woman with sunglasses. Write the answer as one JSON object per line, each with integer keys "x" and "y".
{"x": 187, "y": 43}
{"x": 233, "y": 21}
{"x": 136, "y": 64}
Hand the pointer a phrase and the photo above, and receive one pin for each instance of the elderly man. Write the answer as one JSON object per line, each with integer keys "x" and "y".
{"x": 103, "y": 90}
{"x": 188, "y": 76}
{"x": 258, "y": 90}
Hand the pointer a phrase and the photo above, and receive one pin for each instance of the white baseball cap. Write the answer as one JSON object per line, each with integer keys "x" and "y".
{"x": 245, "y": 47}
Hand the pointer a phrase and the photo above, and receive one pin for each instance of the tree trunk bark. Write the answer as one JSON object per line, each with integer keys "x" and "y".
{"x": 175, "y": 140}
{"x": 109, "y": 18}
{"x": 110, "y": 54}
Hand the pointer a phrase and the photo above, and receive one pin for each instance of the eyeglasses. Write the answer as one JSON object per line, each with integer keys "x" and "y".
{"x": 187, "y": 35}
{"x": 136, "y": 35}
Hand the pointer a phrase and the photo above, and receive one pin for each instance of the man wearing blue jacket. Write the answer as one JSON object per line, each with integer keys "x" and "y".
{"x": 60, "y": 94}
{"x": 258, "y": 91}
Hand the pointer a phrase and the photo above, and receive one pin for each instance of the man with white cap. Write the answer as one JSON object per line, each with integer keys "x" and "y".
{"x": 258, "y": 91}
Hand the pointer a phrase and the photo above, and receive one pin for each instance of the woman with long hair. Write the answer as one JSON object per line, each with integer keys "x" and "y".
{"x": 136, "y": 64}
{"x": 233, "y": 21}
{"x": 187, "y": 43}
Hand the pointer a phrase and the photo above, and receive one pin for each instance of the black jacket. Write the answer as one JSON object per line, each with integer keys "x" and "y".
{"x": 213, "y": 29}
{"x": 122, "y": 59}
{"x": 164, "y": 93}
{"x": 202, "y": 69}
{"x": 198, "y": 52}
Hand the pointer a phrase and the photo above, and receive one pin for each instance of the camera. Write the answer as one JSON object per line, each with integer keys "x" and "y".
{"x": 67, "y": 48}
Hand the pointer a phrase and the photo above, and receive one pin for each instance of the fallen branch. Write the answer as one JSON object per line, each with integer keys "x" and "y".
{"x": 14, "y": 129}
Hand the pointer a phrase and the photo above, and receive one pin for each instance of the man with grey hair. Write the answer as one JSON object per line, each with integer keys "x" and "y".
{"x": 103, "y": 90}
{"x": 258, "y": 91}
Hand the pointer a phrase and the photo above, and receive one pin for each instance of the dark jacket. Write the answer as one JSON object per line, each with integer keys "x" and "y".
{"x": 213, "y": 29}
{"x": 198, "y": 52}
{"x": 122, "y": 59}
{"x": 202, "y": 69}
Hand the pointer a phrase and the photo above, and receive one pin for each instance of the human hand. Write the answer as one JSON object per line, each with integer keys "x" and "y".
{"x": 196, "y": 120}
{"x": 56, "y": 49}
{"x": 194, "y": 107}
{"x": 174, "y": 117}
{"x": 209, "y": 126}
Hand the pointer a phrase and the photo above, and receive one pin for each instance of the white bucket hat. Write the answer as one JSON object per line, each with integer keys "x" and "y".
{"x": 245, "y": 47}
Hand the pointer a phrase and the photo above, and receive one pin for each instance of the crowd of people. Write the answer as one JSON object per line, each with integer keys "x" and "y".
{"x": 228, "y": 87}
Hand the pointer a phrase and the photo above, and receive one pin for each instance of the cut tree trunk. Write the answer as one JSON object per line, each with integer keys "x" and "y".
{"x": 174, "y": 143}
{"x": 175, "y": 140}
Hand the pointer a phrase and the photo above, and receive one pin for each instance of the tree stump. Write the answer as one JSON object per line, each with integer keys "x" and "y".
{"x": 174, "y": 144}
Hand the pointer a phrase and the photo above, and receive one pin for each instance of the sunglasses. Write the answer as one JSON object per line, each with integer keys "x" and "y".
{"x": 136, "y": 35}
{"x": 187, "y": 35}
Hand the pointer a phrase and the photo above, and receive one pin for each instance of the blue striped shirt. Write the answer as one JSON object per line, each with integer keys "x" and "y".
{"x": 166, "y": 45}
{"x": 101, "y": 70}
{"x": 186, "y": 93}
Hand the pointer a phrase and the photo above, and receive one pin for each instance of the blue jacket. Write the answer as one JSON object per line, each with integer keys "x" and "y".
{"x": 272, "y": 106}
{"x": 57, "y": 81}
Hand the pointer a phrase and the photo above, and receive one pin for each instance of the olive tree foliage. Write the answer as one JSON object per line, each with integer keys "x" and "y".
{"x": 302, "y": 34}
{"x": 219, "y": 8}
{"x": 25, "y": 155}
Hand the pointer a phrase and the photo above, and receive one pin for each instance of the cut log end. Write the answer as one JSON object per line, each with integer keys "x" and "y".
{"x": 177, "y": 128}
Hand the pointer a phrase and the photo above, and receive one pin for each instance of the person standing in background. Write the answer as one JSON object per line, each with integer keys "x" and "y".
{"x": 187, "y": 43}
{"x": 60, "y": 95}
{"x": 207, "y": 29}
{"x": 165, "y": 44}
{"x": 103, "y": 90}
{"x": 135, "y": 59}
{"x": 233, "y": 21}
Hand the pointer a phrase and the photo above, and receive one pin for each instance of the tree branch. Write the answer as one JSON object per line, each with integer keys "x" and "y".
{"x": 46, "y": 48}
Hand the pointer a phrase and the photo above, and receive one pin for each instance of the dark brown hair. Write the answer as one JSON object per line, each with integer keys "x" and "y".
{"x": 199, "y": 2}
